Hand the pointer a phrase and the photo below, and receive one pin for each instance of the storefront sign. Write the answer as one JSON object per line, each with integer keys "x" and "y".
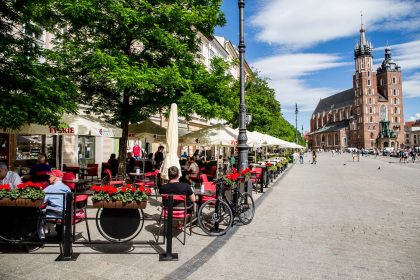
{"x": 68, "y": 130}
{"x": 106, "y": 132}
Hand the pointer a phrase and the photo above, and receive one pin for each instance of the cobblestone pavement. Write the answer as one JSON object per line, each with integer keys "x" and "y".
{"x": 337, "y": 219}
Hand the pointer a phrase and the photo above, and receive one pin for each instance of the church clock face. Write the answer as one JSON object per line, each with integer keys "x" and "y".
{"x": 383, "y": 113}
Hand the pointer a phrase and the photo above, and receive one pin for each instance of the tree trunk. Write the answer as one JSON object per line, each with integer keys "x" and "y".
{"x": 123, "y": 142}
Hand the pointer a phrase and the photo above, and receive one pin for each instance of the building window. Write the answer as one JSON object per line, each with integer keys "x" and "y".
{"x": 394, "y": 92}
{"x": 394, "y": 80}
{"x": 368, "y": 82}
{"x": 368, "y": 73}
{"x": 371, "y": 119}
{"x": 374, "y": 127}
{"x": 395, "y": 101}
{"x": 370, "y": 110}
{"x": 371, "y": 135}
{"x": 395, "y": 110}
{"x": 396, "y": 119}
{"x": 381, "y": 82}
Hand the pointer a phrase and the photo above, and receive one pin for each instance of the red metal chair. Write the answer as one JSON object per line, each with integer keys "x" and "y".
{"x": 150, "y": 180}
{"x": 256, "y": 176}
{"x": 92, "y": 171}
{"x": 208, "y": 186}
{"x": 181, "y": 212}
{"x": 69, "y": 176}
{"x": 108, "y": 179}
{"x": 80, "y": 202}
{"x": 74, "y": 169}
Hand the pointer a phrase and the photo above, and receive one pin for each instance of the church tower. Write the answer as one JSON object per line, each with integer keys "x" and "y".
{"x": 365, "y": 124}
{"x": 390, "y": 102}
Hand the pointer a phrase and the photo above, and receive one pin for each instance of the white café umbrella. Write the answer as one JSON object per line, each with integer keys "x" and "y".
{"x": 171, "y": 158}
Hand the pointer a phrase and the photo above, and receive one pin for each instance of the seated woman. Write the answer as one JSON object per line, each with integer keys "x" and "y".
{"x": 39, "y": 171}
{"x": 192, "y": 170}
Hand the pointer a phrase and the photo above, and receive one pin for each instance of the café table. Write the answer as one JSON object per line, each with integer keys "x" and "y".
{"x": 200, "y": 195}
{"x": 85, "y": 170}
{"x": 80, "y": 183}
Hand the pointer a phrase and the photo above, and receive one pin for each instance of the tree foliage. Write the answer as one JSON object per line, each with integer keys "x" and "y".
{"x": 132, "y": 58}
{"x": 266, "y": 113}
{"x": 31, "y": 91}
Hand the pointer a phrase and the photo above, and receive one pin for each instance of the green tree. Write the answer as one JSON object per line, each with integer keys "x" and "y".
{"x": 132, "y": 58}
{"x": 31, "y": 91}
{"x": 265, "y": 109}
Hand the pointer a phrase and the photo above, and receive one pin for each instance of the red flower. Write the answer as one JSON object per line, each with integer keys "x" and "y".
{"x": 245, "y": 171}
{"x": 124, "y": 189}
{"x": 112, "y": 190}
{"x": 132, "y": 189}
{"x": 141, "y": 188}
{"x": 268, "y": 164}
{"x": 96, "y": 188}
{"x": 148, "y": 191}
{"x": 5, "y": 187}
{"x": 21, "y": 186}
{"x": 233, "y": 176}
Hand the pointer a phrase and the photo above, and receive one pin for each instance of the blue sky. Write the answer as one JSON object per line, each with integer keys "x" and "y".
{"x": 305, "y": 47}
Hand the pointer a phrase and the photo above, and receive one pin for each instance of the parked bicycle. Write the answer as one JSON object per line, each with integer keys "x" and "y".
{"x": 216, "y": 216}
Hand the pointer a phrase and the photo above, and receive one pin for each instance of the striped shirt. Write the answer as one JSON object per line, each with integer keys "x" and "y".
{"x": 12, "y": 178}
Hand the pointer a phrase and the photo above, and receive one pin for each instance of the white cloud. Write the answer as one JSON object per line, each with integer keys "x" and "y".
{"x": 415, "y": 117}
{"x": 411, "y": 86}
{"x": 285, "y": 73}
{"x": 303, "y": 23}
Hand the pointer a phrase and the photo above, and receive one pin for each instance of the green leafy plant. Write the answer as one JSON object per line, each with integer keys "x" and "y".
{"x": 271, "y": 166}
{"x": 125, "y": 193}
{"x": 28, "y": 190}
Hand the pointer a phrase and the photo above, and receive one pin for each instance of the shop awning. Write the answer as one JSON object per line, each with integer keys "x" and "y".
{"x": 76, "y": 125}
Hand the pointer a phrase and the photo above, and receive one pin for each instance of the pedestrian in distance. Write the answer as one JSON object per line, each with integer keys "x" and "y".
{"x": 313, "y": 157}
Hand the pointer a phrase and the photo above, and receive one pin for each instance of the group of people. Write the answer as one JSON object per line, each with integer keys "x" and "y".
{"x": 154, "y": 161}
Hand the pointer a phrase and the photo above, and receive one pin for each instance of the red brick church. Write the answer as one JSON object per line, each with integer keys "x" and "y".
{"x": 369, "y": 115}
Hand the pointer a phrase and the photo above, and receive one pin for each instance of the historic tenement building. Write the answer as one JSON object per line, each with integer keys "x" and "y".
{"x": 369, "y": 115}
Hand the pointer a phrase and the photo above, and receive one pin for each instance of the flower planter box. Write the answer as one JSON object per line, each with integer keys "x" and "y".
{"x": 21, "y": 202}
{"x": 120, "y": 204}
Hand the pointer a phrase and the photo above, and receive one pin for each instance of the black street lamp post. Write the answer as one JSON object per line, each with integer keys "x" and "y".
{"x": 296, "y": 113}
{"x": 242, "y": 138}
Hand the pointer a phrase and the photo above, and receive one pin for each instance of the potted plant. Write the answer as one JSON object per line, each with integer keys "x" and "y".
{"x": 28, "y": 194}
{"x": 246, "y": 174}
{"x": 232, "y": 179}
{"x": 126, "y": 196}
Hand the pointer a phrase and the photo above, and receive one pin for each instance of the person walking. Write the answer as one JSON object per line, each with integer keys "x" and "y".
{"x": 313, "y": 157}
{"x": 159, "y": 157}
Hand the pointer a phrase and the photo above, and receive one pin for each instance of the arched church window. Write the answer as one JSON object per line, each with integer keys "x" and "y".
{"x": 371, "y": 135}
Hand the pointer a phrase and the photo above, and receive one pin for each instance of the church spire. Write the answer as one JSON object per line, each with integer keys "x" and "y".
{"x": 363, "y": 47}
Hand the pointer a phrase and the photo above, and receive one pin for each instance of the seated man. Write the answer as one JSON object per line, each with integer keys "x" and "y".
{"x": 176, "y": 187}
{"x": 54, "y": 201}
{"x": 8, "y": 177}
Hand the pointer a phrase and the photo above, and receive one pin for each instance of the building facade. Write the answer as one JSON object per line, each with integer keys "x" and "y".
{"x": 370, "y": 114}
{"x": 412, "y": 134}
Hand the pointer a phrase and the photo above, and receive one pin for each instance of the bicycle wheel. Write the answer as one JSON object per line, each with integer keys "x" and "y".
{"x": 245, "y": 208}
{"x": 214, "y": 222}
